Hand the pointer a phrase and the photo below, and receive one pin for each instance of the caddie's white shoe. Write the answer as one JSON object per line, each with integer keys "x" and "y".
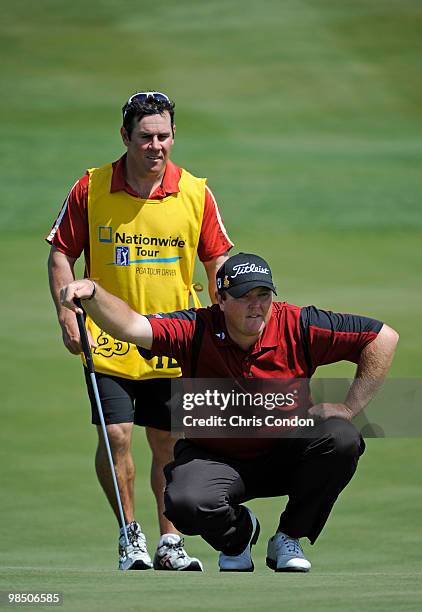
{"x": 171, "y": 555}
{"x": 285, "y": 554}
{"x": 242, "y": 562}
{"x": 135, "y": 556}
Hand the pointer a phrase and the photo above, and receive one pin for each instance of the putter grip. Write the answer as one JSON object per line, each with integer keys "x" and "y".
{"x": 84, "y": 338}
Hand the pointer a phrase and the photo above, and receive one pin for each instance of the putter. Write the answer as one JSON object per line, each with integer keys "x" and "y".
{"x": 90, "y": 367}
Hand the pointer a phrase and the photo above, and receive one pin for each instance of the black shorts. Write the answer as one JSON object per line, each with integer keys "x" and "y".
{"x": 143, "y": 402}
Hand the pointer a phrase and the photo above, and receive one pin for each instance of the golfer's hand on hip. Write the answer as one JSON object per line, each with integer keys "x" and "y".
{"x": 326, "y": 411}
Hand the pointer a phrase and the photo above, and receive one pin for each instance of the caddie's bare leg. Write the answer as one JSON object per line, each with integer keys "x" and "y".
{"x": 170, "y": 554}
{"x": 120, "y": 439}
{"x": 162, "y": 445}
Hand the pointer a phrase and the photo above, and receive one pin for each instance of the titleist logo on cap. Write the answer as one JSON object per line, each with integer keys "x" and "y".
{"x": 243, "y": 272}
{"x": 245, "y": 268}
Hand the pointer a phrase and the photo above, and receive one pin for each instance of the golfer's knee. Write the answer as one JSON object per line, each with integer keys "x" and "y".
{"x": 181, "y": 509}
{"x": 345, "y": 440}
{"x": 193, "y": 511}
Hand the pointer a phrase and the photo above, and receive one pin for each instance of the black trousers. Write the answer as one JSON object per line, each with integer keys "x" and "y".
{"x": 204, "y": 491}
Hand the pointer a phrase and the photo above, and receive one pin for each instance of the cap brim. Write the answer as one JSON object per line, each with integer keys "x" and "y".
{"x": 242, "y": 289}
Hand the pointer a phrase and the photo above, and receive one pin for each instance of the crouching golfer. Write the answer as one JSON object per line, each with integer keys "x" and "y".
{"x": 248, "y": 335}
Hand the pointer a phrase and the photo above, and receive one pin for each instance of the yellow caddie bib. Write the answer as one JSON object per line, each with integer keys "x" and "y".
{"x": 144, "y": 252}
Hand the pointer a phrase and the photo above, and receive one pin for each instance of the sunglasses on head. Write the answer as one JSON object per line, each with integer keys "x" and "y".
{"x": 143, "y": 96}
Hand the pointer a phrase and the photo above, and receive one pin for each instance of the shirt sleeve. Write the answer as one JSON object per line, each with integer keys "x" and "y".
{"x": 70, "y": 233}
{"x": 172, "y": 335}
{"x": 329, "y": 337}
{"x": 213, "y": 240}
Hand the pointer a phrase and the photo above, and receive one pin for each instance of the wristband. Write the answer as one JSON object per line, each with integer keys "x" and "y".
{"x": 94, "y": 289}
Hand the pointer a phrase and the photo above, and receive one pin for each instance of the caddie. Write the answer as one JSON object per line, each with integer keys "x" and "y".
{"x": 247, "y": 335}
{"x": 140, "y": 222}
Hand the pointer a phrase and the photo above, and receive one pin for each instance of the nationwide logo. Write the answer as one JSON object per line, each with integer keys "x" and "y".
{"x": 105, "y": 233}
{"x": 140, "y": 239}
{"x": 142, "y": 248}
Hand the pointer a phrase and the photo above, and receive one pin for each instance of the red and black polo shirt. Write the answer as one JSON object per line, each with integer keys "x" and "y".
{"x": 294, "y": 343}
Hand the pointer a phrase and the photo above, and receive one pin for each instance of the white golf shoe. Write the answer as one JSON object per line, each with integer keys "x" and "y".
{"x": 242, "y": 562}
{"x": 285, "y": 554}
{"x": 171, "y": 556}
{"x": 135, "y": 556}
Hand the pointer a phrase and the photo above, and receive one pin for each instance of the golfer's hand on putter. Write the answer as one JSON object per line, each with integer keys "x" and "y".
{"x": 109, "y": 312}
{"x": 81, "y": 289}
{"x": 69, "y": 325}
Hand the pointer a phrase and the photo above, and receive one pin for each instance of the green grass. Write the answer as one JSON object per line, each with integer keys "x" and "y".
{"x": 368, "y": 555}
{"x": 306, "y": 117}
